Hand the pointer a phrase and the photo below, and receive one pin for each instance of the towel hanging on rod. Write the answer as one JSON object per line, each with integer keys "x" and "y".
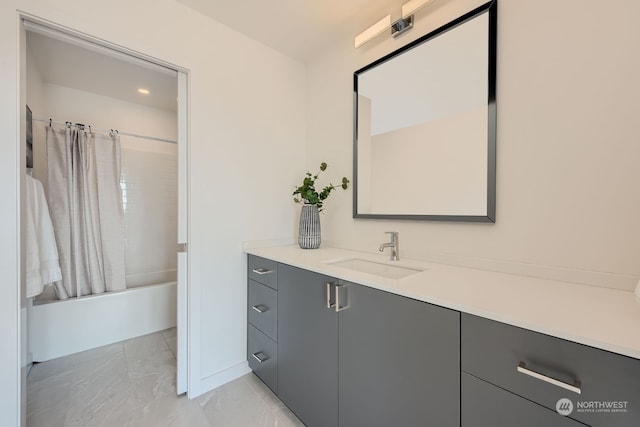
{"x": 42, "y": 262}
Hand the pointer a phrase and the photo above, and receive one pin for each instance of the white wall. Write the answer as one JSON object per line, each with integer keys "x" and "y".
{"x": 64, "y": 103}
{"x": 247, "y": 132}
{"x": 149, "y": 184}
{"x": 568, "y": 181}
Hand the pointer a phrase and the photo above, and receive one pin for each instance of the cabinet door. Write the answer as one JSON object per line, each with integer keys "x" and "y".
{"x": 399, "y": 361}
{"x": 485, "y": 405}
{"x": 307, "y": 347}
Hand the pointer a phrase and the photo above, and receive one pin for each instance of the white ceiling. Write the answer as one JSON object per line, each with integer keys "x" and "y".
{"x": 101, "y": 71}
{"x": 298, "y": 28}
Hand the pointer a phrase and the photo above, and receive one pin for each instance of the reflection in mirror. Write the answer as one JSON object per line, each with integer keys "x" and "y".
{"x": 425, "y": 126}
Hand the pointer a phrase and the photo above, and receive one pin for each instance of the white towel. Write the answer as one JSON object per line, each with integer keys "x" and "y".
{"x": 42, "y": 263}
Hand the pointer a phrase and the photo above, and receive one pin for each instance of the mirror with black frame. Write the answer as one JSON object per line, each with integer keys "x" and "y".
{"x": 425, "y": 126}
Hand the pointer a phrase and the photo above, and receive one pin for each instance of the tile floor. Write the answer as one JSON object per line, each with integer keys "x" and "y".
{"x": 132, "y": 383}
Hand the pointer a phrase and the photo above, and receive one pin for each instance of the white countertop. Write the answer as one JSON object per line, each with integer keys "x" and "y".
{"x": 604, "y": 318}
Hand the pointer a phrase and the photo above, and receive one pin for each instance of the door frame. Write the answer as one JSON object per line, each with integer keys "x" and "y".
{"x": 184, "y": 334}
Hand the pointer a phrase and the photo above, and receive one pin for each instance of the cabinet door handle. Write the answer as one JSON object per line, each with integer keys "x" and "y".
{"x": 330, "y": 285}
{"x": 337, "y": 304}
{"x": 571, "y": 387}
{"x": 260, "y": 357}
{"x": 261, "y": 271}
{"x": 260, "y": 308}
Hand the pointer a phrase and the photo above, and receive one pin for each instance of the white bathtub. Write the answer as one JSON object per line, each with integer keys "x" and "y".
{"x": 60, "y": 328}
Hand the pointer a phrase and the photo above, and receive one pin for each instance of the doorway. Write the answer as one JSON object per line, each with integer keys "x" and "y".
{"x": 110, "y": 56}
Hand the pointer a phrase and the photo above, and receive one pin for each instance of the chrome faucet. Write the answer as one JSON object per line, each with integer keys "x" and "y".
{"x": 393, "y": 244}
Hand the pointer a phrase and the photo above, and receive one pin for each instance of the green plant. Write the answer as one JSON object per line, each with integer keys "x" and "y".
{"x": 308, "y": 194}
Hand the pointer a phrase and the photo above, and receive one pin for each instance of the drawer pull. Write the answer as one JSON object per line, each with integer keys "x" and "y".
{"x": 523, "y": 370}
{"x": 260, "y": 357}
{"x": 261, "y": 271}
{"x": 260, "y": 308}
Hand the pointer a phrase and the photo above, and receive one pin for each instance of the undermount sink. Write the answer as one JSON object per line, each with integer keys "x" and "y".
{"x": 377, "y": 268}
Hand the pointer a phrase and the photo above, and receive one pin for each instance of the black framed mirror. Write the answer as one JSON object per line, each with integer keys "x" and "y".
{"x": 425, "y": 126}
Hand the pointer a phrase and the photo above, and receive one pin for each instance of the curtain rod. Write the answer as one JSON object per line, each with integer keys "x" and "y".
{"x": 154, "y": 138}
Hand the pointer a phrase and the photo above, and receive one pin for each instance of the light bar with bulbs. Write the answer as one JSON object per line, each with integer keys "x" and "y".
{"x": 397, "y": 28}
{"x": 376, "y": 29}
{"x": 412, "y": 6}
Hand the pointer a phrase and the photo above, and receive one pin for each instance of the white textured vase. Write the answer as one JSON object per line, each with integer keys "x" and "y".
{"x": 309, "y": 230}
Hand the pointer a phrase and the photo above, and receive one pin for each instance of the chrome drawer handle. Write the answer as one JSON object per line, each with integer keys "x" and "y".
{"x": 523, "y": 370}
{"x": 260, "y": 357}
{"x": 260, "y": 308}
{"x": 262, "y": 270}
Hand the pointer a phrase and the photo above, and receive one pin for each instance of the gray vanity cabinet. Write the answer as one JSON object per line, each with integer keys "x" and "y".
{"x": 399, "y": 361}
{"x": 378, "y": 360}
{"x": 307, "y": 347}
{"x": 340, "y": 354}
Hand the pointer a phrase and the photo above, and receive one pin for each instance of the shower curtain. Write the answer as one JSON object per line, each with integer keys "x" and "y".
{"x": 86, "y": 210}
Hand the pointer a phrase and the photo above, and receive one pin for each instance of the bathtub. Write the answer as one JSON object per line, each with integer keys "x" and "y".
{"x": 60, "y": 328}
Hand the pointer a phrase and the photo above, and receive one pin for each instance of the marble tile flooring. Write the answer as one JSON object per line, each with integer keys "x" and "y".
{"x": 132, "y": 383}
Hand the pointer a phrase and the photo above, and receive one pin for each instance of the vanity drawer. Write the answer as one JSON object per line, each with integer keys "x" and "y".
{"x": 263, "y": 271}
{"x": 262, "y": 354}
{"x": 493, "y": 351}
{"x": 263, "y": 309}
{"x": 484, "y": 405}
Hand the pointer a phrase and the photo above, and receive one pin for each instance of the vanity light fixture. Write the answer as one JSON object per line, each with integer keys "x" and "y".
{"x": 378, "y": 28}
{"x": 397, "y": 28}
{"x": 401, "y": 25}
{"x": 412, "y": 6}
{"x": 143, "y": 91}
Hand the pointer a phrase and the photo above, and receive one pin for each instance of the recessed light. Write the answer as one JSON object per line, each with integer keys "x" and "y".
{"x": 143, "y": 91}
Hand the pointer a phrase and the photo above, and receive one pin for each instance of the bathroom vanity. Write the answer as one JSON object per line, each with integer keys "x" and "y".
{"x": 343, "y": 344}
{"x": 347, "y": 338}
